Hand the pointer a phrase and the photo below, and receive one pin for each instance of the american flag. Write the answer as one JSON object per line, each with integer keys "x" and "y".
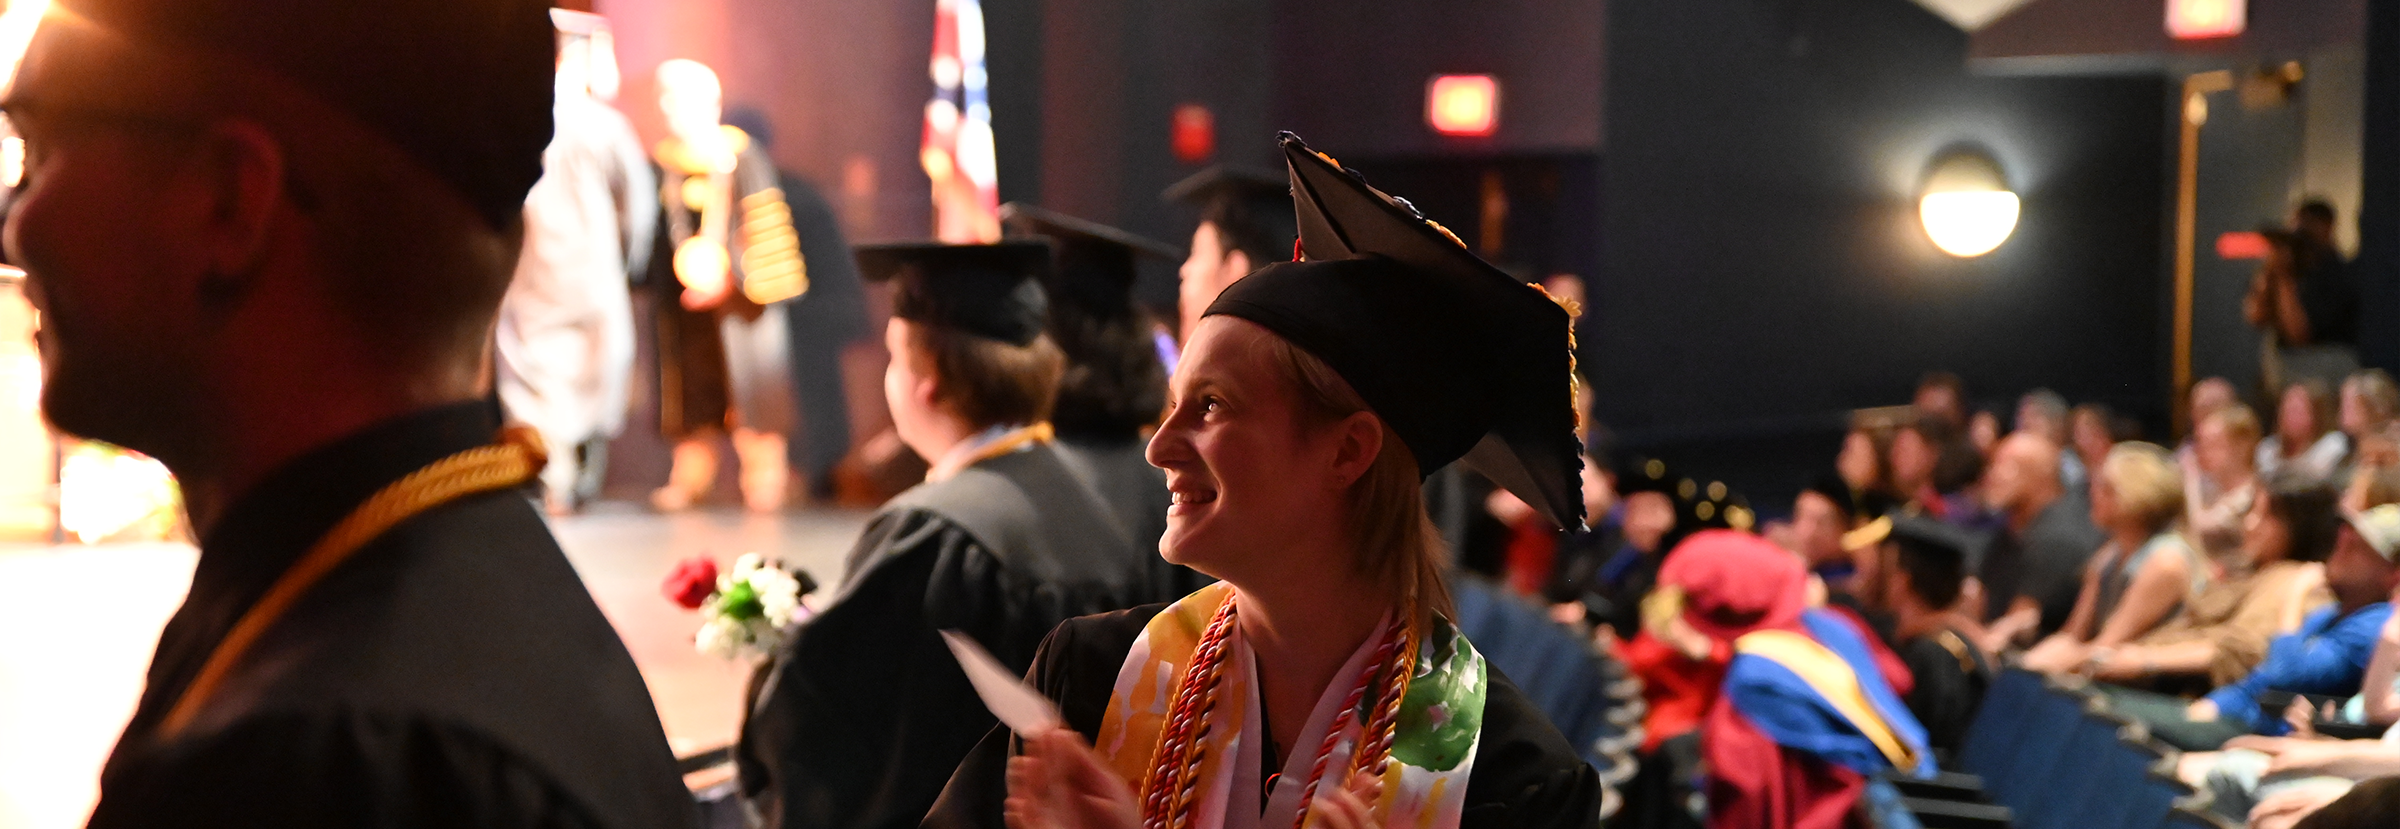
{"x": 957, "y": 147}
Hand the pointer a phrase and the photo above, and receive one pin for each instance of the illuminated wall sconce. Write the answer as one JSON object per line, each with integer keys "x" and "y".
{"x": 1463, "y": 105}
{"x": 1967, "y": 208}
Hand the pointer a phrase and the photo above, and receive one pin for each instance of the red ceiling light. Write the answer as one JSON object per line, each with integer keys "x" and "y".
{"x": 2203, "y": 19}
{"x": 1463, "y": 105}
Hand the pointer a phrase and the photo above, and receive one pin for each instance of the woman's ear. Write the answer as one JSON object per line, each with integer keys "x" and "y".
{"x": 1361, "y": 441}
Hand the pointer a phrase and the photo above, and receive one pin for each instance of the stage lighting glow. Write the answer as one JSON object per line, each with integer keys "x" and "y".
{"x": 1968, "y": 224}
{"x": 2202, "y": 19}
{"x": 1463, "y": 105}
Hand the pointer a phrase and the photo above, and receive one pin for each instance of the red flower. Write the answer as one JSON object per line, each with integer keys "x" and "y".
{"x": 692, "y": 582}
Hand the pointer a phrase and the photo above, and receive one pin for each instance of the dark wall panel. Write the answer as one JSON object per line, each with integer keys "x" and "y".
{"x": 1762, "y": 267}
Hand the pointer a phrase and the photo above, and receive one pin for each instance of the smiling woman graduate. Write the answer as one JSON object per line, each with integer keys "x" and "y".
{"x": 1321, "y": 682}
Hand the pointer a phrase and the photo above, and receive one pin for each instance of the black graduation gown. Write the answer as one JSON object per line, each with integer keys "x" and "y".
{"x": 1951, "y": 676}
{"x": 1136, "y": 493}
{"x": 453, "y": 672}
{"x": 864, "y": 712}
{"x": 1525, "y": 776}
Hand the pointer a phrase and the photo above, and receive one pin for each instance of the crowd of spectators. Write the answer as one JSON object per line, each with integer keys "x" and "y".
{"x": 2232, "y": 592}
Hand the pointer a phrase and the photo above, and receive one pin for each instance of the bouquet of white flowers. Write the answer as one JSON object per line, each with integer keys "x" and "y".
{"x": 743, "y": 611}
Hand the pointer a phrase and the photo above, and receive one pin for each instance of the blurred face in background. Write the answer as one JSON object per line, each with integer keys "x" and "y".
{"x": 1983, "y": 431}
{"x": 2215, "y": 449}
{"x": 2265, "y": 537}
{"x": 1857, "y": 463}
{"x": 2092, "y": 438}
{"x": 1817, "y": 527}
{"x": 2356, "y": 573}
{"x": 1913, "y": 459}
{"x": 1211, "y": 267}
{"x": 2296, "y": 419}
{"x": 1941, "y": 403}
{"x": 1648, "y": 517}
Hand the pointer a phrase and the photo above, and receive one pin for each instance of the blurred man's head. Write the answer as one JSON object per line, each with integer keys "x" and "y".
{"x": 2313, "y": 221}
{"x": 1820, "y": 515}
{"x": 2043, "y": 412}
{"x": 1942, "y": 397}
{"x": 222, "y": 190}
{"x": 2361, "y": 571}
{"x": 2209, "y": 395}
{"x": 1916, "y": 450}
{"x": 1246, "y": 223}
{"x": 2023, "y": 477}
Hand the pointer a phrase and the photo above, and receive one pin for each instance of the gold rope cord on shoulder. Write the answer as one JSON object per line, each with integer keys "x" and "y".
{"x": 512, "y": 461}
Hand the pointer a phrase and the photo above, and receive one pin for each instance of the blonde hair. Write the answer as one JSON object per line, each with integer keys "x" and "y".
{"x": 1396, "y": 544}
{"x": 2147, "y": 484}
{"x": 2240, "y": 424}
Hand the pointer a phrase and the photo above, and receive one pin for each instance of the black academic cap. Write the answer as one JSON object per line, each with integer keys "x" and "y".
{"x": 990, "y": 290}
{"x": 1095, "y": 263}
{"x": 463, "y": 86}
{"x": 1253, "y": 209}
{"x": 1463, "y": 362}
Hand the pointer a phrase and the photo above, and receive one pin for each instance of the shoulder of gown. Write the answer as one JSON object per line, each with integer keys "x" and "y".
{"x": 304, "y": 770}
{"x": 1525, "y": 775}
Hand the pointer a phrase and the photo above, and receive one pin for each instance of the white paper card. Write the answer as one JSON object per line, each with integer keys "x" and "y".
{"x": 1020, "y": 707}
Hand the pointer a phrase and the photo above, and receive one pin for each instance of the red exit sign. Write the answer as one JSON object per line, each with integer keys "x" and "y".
{"x": 2203, "y": 19}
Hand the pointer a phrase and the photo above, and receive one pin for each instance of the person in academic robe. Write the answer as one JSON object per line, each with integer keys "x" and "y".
{"x": 1115, "y": 385}
{"x": 861, "y": 714}
{"x": 564, "y": 346}
{"x": 1321, "y": 680}
{"x": 1245, "y": 224}
{"x": 1913, "y": 570}
{"x": 1806, "y": 714}
{"x": 305, "y": 251}
{"x": 729, "y": 263}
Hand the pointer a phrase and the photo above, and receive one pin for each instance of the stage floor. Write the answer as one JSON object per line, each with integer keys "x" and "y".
{"x": 77, "y": 625}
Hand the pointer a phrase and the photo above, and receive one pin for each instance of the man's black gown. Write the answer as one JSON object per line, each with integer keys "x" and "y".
{"x": 1525, "y": 776}
{"x": 453, "y": 672}
{"x": 863, "y": 712}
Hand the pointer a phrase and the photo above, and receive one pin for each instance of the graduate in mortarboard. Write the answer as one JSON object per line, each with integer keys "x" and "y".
{"x": 1321, "y": 681}
{"x": 1911, "y": 571}
{"x": 862, "y": 712}
{"x": 269, "y": 241}
{"x": 1245, "y": 224}
{"x": 1115, "y": 385}
{"x": 1807, "y": 713}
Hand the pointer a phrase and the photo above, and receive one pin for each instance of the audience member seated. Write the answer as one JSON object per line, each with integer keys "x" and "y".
{"x": 1602, "y": 575}
{"x": 2094, "y": 430}
{"x": 2223, "y": 633}
{"x": 2208, "y": 395}
{"x": 2327, "y": 656}
{"x": 1806, "y": 714}
{"x": 2305, "y": 441}
{"x": 2043, "y": 412}
{"x": 2220, "y": 479}
{"x": 2370, "y": 406}
{"x": 1821, "y": 514}
{"x": 2142, "y": 576}
{"x": 1681, "y": 670}
{"x": 2033, "y": 567}
{"x": 1865, "y": 466}
{"x": 2277, "y": 780}
{"x": 1913, "y": 573}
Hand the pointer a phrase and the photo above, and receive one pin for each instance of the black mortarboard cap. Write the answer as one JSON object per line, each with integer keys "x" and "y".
{"x": 990, "y": 290}
{"x": 1254, "y": 208}
{"x": 1094, "y": 264}
{"x": 462, "y": 86}
{"x": 1462, "y": 361}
